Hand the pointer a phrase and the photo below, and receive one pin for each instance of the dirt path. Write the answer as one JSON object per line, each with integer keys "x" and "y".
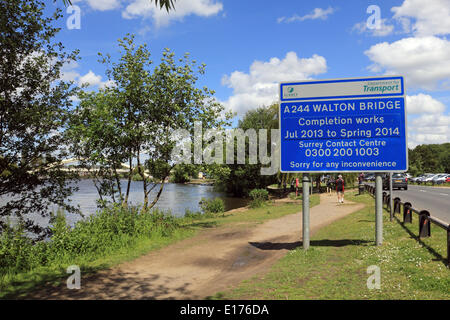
{"x": 199, "y": 267}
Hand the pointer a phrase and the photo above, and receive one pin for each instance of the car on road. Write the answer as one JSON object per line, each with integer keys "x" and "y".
{"x": 399, "y": 181}
{"x": 369, "y": 177}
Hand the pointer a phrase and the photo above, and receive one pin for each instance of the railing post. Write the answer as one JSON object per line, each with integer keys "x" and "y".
{"x": 397, "y": 203}
{"x": 424, "y": 224}
{"x": 407, "y": 213}
{"x": 448, "y": 246}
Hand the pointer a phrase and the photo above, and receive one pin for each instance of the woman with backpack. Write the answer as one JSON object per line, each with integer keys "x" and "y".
{"x": 340, "y": 189}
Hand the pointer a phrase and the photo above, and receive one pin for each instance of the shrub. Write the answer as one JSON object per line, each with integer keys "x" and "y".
{"x": 113, "y": 227}
{"x": 259, "y": 194}
{"x": 259, "y": 197}
{"x": 209, "y": 206}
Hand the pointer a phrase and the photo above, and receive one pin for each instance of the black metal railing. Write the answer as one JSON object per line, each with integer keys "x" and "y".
{"x": 425, "y": 219}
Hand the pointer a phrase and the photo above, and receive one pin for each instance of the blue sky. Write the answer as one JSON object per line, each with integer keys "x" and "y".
{"x": 249, "y": 46}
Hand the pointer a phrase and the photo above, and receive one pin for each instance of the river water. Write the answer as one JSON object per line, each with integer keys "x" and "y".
{"x": 175, "y": 198}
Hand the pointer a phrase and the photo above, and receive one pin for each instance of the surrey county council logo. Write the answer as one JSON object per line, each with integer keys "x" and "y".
{"x": 290, "y": 92}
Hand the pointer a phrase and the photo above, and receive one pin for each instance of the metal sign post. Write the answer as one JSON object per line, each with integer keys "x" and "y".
{"x": 378, "y": 209}
{"x": 391, "y": 210}
{"x": 305, "y": 210}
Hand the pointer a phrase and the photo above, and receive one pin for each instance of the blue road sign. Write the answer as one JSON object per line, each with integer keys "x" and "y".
{"x": 343, "y": 125}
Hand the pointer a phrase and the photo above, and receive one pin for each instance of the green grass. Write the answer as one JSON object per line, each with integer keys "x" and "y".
{"x": 335, "y": 266}
{"x": 263, "y": 213}
{"x": 125, "y": 247}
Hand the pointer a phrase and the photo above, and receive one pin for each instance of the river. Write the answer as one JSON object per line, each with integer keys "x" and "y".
{"x": 175, "y": 198}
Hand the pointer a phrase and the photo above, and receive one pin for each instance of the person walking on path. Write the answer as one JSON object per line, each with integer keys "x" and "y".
{"x": 340, "y": 189}
{"x": 329, "y": 185}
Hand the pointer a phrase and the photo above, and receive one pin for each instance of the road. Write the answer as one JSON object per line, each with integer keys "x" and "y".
{"x": 435, "y": 200}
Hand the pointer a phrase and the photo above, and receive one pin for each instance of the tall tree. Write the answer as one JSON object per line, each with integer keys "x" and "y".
{"x": 240, "y": 179}
{"x": 34, "y": 106}
{"x": 139, "y": 113}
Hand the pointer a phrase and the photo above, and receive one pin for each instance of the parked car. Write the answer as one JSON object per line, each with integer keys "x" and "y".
{"x": 369, "y": 177}
{"x": 448, "y": 179}
{"x": 399, "y": 181}
{"x": 424, "y": 177}
{"x": 416, "y": 179}
{"x": 440, "y": 178}
{"x": 429, "y": 178}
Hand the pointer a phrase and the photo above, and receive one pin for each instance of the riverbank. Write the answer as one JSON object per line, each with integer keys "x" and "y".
{"x": 336, "y": 265}
{"x": 204, "y": 182}
{"x": 113, "y": 239}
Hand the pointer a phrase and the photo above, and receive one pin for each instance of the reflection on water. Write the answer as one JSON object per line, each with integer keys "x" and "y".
{"x": 175, "y": 198}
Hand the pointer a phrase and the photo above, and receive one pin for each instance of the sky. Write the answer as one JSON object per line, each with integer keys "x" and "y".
{"x": 250, "y": 46}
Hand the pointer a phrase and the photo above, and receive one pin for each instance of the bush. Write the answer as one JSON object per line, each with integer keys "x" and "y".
{"x": 112, "y": 228}
{"x": 215, "y": 205}
{"x": 259, "y": 194}
{"x": 259, "y": 197}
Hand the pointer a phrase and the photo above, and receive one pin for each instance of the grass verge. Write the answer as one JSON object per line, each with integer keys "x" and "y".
{"x": 335, "y": 266}
{"x": 124, "y": 246}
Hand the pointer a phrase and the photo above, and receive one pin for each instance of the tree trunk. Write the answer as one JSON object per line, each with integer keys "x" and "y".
{"x": 158, "y": 195}
{"x": 144, "y": 180}
{"x": 119, "y": 187}
{"x": 130, "y": 163}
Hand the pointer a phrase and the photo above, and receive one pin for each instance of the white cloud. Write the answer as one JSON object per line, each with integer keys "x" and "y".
{"x": 423, "y": 103}
{"x": 147, "y": 9}
{"x": 425, "y": 62}
{"x": 260, "y": 86}
{"x": 429, "y": 128}
{"x": 68, "y": 72}
{"x": 431, "y": 17}
{"x": 108, "y": 83}
{"x": 383, "y": 30}
{"x": 101, "y": 5}
{"x": 432, "y": 121}
{"x": 104, "y": 5}
{"x": 317, "y": 13}
{"x": 91, "y": 79}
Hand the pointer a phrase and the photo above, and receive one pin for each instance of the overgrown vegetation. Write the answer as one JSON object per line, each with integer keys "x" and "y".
{"x": 111, "y": 228}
